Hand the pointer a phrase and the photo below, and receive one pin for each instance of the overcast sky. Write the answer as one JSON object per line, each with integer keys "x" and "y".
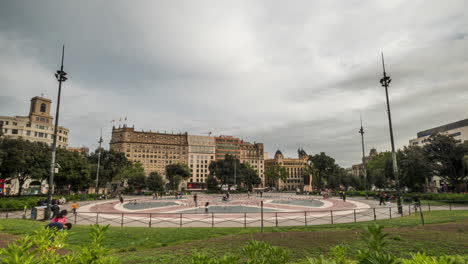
{"x": 286, "y": 73}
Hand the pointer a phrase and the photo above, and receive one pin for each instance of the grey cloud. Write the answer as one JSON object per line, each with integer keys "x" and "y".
{"x": 288, "y": 75}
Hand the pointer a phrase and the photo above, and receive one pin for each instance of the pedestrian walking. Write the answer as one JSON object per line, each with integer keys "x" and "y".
{"x": 382, "y": 198}
{"x": 206, "y": 207}
{"x": 343, "y": 194}
{"x": 195, "y": 200}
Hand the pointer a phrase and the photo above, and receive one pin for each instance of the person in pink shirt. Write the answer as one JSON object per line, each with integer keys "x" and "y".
{"x": 60, "y": 218}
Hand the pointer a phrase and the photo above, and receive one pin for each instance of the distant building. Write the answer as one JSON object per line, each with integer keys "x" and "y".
{"x": 83, "y": 150}
{"x": 458, "y": 130}
{"x": 38, "y": 126}
{"x": 253, "y": 155}
{"x": 154, "y": 150}
{"x": 295, "y": 168}
{"x": 227, "y": 145}
{"x": 202, "y": 151}
{"x": 357, "y": 169}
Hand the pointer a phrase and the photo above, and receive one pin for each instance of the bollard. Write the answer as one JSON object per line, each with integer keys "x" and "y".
{"x": 261, "y": 207}
{"x": 150, "y": 220}
{"x": 305, "y": 218}
{"x": 276, "y": 218}
{"x": 331, "y": 215}
{"x": 245, "y": 219}
{"x": 390, "y": 212}
{"x": 354, "y": 215}
{"x": 212, "y": 220}
{"x": 180, "y": 223}
{"x": 97, "y": 218}
{"x": 409, "y": 209}
{"x": 121, "y": 222}
{"x": 375, "y": 216}
{"x": 75, "y": 218}
{"x": 421, "y": 212}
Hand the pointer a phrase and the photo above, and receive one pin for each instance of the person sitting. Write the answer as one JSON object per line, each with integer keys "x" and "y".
{"x": 60, "y": 217}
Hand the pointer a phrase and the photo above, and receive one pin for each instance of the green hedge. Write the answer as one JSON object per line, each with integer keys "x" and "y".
{"x": 452, "y": 197}
{"x": 9, "y": 203}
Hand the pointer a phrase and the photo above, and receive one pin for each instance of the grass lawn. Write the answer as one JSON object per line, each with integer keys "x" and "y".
{"x": 446, "y": 232}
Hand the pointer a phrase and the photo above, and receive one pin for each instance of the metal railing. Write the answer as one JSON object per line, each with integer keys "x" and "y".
{"x": 258, "y": 219}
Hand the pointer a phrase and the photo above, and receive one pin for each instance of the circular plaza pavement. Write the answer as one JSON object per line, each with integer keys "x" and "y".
{"x": 241, "y": 210}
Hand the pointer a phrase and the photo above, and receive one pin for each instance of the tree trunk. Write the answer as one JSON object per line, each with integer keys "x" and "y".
{"x": 21, "y": 181}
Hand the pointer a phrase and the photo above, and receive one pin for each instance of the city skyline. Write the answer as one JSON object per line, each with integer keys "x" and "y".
{"x": 287, "y": 76}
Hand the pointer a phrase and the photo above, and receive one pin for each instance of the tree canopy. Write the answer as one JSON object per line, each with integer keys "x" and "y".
{"x": 23, "y": 160}
{"x": 155, "y": 182}
{"x": 175, "y": 173}
{"x": 275, "y": 173}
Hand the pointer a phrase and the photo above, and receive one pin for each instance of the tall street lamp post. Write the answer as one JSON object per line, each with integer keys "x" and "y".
{"x": 60, "y": 75}
{"x": 98, "y": 163}
{"x": 361, "y": 131}
{"x": 385, "y": 81}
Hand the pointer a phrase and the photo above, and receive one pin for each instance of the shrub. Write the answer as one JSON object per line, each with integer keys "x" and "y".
{"x": 39, "y": 248}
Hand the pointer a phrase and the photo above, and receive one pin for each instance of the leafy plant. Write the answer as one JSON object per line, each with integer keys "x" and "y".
{"x": 40, "y": 248}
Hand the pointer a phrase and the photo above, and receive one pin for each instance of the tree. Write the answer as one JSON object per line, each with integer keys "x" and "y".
{"x": 414, "y": 168}
{"x": 226, "y": 169}
{"x": 448, "y": 158}
{"x": 134, "y": 174}
{"x": 380, "y": 170}
{"x": 155, "y": 182}
{"x": 308, "y": 172}
{"x": 249, "y": 176}
{"x": 73, "y": 173}
{"x": 175, "y": 173}
{"x": 211, "y": 183}
{"x": 324, "y": 165}
{"x": 23, "y": 160}
{"x": 338, "y": 178}
{"x": 112, "y": 163}
{"x": 275, "y": 173}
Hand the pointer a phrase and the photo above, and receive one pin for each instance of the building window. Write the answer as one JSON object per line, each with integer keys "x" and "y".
{"x": 28, "y": 133}
{"x": 14, "y": 131}
{"x": 43, "y": 108}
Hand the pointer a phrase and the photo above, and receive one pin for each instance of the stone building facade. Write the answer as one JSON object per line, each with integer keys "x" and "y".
{"x": 202, "y": 151}
{"x": 154, "y": 150}
{"x": 295, "y": 168}
{"x": 253, "y": 154}
{"x": 38, "y": 126}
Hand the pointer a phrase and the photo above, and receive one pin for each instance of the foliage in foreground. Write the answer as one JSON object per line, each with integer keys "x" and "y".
{"x": 257, "y": 252}
{"x": 39, "y": 248}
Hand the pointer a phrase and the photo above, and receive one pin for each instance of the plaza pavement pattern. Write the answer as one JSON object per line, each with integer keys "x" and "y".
{"x": 332, "y": 211}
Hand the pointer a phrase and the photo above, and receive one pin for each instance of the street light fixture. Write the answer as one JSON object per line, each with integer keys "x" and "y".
{"x": 385, "y": 81}
{"x": 98, "y": 163}
{"x": 60, "y": 75}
